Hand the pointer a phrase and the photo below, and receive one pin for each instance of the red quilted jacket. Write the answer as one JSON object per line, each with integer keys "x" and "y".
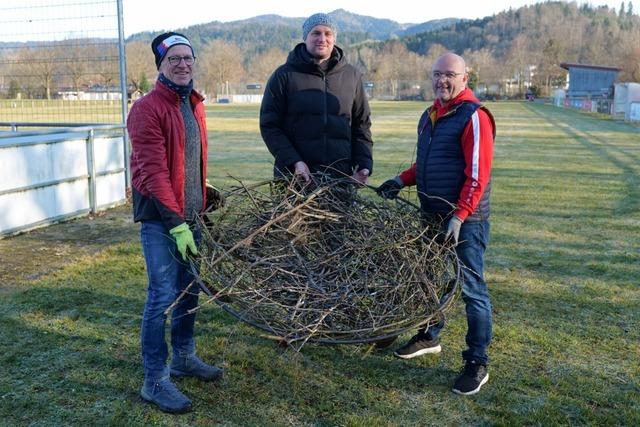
{"x": 157, "y": 134}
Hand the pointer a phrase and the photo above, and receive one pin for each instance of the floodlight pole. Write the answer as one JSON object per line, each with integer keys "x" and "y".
{"x": 123, "y": 90}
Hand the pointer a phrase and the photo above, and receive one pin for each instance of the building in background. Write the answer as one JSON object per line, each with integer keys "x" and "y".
{"x": 590, "y": 87}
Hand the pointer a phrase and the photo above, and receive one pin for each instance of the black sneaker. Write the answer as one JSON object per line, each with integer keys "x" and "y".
{"x": 417, "y": 346}
{"x": 472, "y": 378}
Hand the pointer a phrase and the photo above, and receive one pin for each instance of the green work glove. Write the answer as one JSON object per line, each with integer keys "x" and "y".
{"x": 453, "y": 229}
{"x": 184, "y": 240}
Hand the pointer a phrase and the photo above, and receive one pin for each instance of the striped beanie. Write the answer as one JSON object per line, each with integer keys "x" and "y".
{"x": 161, "y": 44}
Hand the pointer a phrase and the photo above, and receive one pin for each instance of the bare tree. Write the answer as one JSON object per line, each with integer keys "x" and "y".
{"x": 435, "y": 51}
{"x": 629, "y": 59}
{"x": 263, "y": 65}
{"x": 221, "y": 63}
{"x": 391, "y": 65}
{"x": 140, "y": 64}
{"x": 519, "y": 61}
{"x": 39, "y": 65}
{"x": 106, "y": 67}
{"x": 75, "y": 66}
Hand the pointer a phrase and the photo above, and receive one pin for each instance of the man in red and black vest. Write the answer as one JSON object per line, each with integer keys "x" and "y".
{"x": 453, "y": 175}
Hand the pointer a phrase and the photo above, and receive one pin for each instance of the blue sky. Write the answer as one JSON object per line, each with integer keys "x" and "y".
{"x": 64, "y": 19}
{"x": 154, "y": 15}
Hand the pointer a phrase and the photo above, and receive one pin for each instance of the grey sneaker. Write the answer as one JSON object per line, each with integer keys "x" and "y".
{"x": 418, "y": 345}
{"x": 166, "y": 396}
{"x": 472, "y": 378}
{"x": 192, "y": 366}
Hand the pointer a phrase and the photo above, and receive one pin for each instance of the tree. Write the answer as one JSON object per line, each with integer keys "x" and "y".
{"x": 222, "y": 63}
{"x": 75, "y": 65}
{"x": 14, "y": 89}
{"x": 483, "y": 64}
{"x": 549, "y": 64}
{"x": 140, "y": 65}
{"x": 38, "y": 65}
{"x": 472, "y": 82}
{"x": 395, "y": 64}
{"x": 264, "y": 64}
{"x": 145, "y": 85}
{"x": 435, "y": 51}
{"x": 518, "y": 61}
{"x": 106, "y": 67}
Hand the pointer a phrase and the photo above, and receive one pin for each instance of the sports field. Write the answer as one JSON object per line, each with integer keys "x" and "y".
{"x": 563, "y": 267}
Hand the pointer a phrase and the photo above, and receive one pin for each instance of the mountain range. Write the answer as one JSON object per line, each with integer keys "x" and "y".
{"x": 265, "y": 31}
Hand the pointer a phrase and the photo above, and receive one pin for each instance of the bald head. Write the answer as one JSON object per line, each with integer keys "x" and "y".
{"x": 450, "y": 61}
{"x": 449, "y": 77}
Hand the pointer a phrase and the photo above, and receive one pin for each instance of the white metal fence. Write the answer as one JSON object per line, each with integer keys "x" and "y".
{"x": 48, "y": 176}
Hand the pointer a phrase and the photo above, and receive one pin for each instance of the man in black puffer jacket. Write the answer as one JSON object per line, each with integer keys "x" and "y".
{"x": 315, "y": 115}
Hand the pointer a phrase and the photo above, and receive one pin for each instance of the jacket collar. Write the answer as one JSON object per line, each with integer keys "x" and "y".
{"x": 173, "y": 97}
{"x": 440, "y": 110}
{"x": 300, "y": 59}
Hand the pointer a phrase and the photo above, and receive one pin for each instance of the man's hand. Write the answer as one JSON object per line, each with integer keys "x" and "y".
{"x": 453, "y": 229}
{"x": 184, "y": 240}
{"x": 390, "y": 188}
{"x": 301, "y": 168}
{"x": 362, "y": 176}
{"x": 215, "y": 199}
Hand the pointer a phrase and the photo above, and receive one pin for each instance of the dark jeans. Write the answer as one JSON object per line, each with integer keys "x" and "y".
{"x": 168, "y": 277}
{"x": 473, "y": 239}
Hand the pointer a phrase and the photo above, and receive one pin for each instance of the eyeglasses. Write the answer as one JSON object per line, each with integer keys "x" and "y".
{"x": 175, "y": 60}
{"x": 449, "y": 75}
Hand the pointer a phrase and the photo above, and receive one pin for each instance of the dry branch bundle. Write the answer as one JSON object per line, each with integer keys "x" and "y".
{"x": 325, "y": 262}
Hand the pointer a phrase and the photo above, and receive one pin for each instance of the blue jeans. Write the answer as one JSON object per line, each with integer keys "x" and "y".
{"x": 473, "y": 239}
{"x": 168, "y": 277}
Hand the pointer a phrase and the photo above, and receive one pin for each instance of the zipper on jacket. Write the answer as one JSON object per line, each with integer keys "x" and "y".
{"x": 433, "y": 128}
{"x": 325, "y": 117}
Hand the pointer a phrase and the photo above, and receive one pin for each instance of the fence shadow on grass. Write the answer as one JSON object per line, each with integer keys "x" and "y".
{"x": 625, "y": 160}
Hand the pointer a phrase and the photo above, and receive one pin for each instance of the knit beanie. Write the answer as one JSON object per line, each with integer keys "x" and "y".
{"x": 317, "y": 19}
{"x": 161, "y": 44}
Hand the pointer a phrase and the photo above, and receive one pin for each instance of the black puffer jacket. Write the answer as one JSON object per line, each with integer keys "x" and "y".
{"x": 319, "y": 117}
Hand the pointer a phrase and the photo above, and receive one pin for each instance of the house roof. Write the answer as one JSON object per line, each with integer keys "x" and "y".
{"x": 567, "y": 65}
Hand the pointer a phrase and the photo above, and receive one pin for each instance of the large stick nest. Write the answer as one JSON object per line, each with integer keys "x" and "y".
{"x": 323, "y": 262}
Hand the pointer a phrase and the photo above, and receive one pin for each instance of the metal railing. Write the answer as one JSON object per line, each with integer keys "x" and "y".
{"x": 44, "y": 178}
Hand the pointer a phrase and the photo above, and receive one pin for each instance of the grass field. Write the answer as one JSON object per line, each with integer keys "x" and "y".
{"x": 60, "y": 111}
{"x": 563, "y": 268}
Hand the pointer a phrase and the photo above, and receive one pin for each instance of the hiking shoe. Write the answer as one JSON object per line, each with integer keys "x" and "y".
{"x": 472, "y": 378}
{"x": 192, "y": 366}
{"x": 418, "y": 345}
{"x": 166, "y": 396}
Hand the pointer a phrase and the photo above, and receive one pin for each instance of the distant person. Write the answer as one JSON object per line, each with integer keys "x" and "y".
{"x": 453, "y": 175}
{"x": 315, "y": 114}
{"x": 168, "y": 166}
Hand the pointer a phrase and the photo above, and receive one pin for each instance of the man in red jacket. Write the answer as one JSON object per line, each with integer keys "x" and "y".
{"x": 169, "y": 165}
{"x": 453, "y": 175}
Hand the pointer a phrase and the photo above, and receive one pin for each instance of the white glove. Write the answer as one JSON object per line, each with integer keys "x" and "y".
{"x": 453, "y": 229}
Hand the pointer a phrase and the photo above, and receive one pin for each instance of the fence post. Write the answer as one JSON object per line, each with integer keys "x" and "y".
{"x": 123, "y": 91}
{"x": 91, "y": 166}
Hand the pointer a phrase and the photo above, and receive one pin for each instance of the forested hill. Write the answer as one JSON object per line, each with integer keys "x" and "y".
{"x": 265, "y": 32}
{"x": 584, "y": 33}
{"x": 541, "y": 36}
{"x": 523, "y": 46}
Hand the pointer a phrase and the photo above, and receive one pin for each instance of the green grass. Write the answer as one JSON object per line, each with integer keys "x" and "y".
{"x": 60, "y": 111}
{"x": 563, "y": 268}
